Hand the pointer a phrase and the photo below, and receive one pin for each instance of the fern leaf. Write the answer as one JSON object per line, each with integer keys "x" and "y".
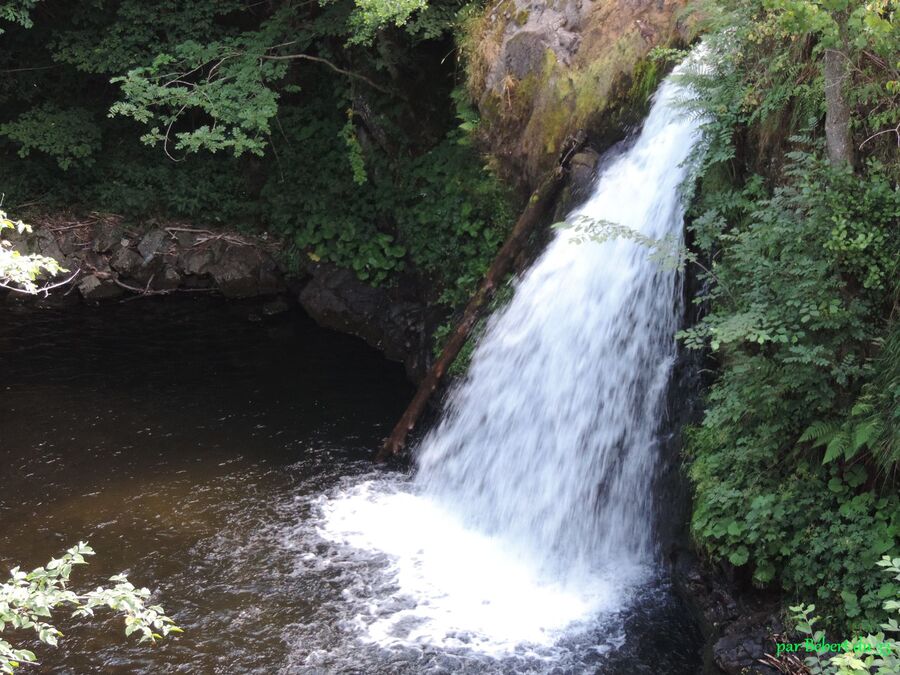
{"x": 836, "y": 447}
{"x": 865, "y": 433}
{"x": 819, "y": 433}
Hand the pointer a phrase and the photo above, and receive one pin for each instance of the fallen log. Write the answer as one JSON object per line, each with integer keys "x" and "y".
{"x": 538, "y": 206}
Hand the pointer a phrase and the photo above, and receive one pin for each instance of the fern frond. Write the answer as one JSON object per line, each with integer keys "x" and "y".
{"x": 837, "y": 446}
{"x": 820, "y": 433}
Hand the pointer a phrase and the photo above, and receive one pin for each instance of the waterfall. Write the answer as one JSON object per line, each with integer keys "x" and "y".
{"x": 550, "y": 441}
{"x": 530, "y": 510}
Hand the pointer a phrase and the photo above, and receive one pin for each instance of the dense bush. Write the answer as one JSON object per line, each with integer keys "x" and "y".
{"x": 794, "y": 463}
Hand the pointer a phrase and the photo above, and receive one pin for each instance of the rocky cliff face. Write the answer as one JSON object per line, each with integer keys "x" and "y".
{"x": 542, "y": 70}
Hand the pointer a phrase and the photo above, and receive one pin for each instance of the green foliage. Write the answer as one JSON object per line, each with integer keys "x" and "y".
{"x": 875, "y": 653}
{"x": 794, "y": 461}
{"x": 69, "y": 136}
{"x": 28, "y": 600}
{"x": 668, "y": 252}
{"x": 441, "y": 211}
{"x": 457, "y": 217}
{"x": 766, "y": 82}
{"x": 324, "y": 123}
{"x": 796, "y": 350}
{"x": 17, "y": 11}
{"x": 354, "y": 149}
{"x": 114, "y": 37}
{"x": 20, "y": 272}
{"x": 370, "y": 16}
{"x": 226, "y": 82}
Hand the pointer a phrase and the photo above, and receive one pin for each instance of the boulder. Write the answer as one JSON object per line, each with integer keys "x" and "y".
{"x": 236, "y": 272}
{"x": 541, "y": 72}
{"x": 48, "y": 246}
{"x": 107, "y": 235}
{"x": 93, "y": 288}
{"x": 168, "y": 279}
{"x": 335, "y": 298}
{"x": 95, "y": 263}
{"x": 242, "y": 271}
{"x": 126, "y": 261}
{"x": 152, "y": 243}
{"x": 524, "y": 53}
{"x": 196, "y": 260}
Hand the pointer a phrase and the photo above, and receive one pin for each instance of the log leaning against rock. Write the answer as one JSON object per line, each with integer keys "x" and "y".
{"x": 538, "y": 206}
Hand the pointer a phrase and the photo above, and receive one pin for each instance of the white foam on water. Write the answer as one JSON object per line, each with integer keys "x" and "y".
{"x": 458, "y": 587}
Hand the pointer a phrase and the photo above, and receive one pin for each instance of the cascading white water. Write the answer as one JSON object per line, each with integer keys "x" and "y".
{"x": 530, "y": 511}
{"x": 550, "y": 441}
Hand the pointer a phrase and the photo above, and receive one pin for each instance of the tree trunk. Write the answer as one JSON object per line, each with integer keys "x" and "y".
{"x": 531, "y": 218}
{"x": 838, "y": 139}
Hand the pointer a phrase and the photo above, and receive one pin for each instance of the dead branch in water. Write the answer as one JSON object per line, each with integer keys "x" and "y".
{"x": 146, "y": 291}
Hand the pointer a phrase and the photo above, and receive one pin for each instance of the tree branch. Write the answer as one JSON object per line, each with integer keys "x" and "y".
{"x": 337, "y": 69}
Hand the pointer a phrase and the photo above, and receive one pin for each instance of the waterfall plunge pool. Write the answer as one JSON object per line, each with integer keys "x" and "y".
{"x": 225, "y": 464}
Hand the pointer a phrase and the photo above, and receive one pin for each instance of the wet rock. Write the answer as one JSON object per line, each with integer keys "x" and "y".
{"x": 582, "y": 168}
{"x": 738, "y": 626}
{"x": 93, "y": 288}
{"x": 152, "y": 243}
{"x": 275, "y": 307}
{"x": 336, "y": 299}
{"x": 107, "y": 235}
{"x": 745, "y": 643}
{"x": 169, "y": 279}
{"x": 126, "y": 262}
{"x": 196, "y": 260}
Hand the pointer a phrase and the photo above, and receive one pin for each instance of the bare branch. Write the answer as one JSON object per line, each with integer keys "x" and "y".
{"x": 318, "y": 59}
{"x": 43, "y": 289}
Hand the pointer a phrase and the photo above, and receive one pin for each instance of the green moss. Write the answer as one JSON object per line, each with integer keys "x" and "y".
{"x": 645, "y": 78}
{"x": 521, "y": 17}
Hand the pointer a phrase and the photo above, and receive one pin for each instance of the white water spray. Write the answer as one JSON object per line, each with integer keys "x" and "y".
{"x": 530, "y": 513}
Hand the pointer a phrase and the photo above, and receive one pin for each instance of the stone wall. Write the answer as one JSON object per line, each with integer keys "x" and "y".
{"x": 109, "y": 261}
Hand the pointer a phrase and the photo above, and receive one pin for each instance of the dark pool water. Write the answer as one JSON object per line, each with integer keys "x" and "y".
{"x": 192, "y": 447}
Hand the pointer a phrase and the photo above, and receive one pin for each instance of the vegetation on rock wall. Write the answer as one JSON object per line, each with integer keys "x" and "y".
{"x": 795, "y": 461}
{"x": 543, "y": 73}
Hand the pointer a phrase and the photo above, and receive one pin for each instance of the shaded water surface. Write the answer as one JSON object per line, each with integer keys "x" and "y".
{"x": 198, "y": 451}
